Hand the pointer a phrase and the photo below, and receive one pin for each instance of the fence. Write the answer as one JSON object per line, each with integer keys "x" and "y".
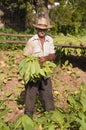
{"x": 82, "y": 46}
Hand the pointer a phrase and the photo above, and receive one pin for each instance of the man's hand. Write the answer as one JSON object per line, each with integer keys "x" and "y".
{"x": 42, "y": 59}
{"x": 50, "y": 57}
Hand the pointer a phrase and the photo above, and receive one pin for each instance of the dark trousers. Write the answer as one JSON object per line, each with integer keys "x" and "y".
{"x": 44, "y": 88}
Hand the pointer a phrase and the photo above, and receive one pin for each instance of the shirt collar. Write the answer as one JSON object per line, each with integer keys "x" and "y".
{"x": 36, "y": 37}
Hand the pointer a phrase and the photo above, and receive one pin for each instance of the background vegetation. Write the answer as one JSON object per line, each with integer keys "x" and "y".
{"x": 69, "y": 25}
{"x": 67, "y": 17}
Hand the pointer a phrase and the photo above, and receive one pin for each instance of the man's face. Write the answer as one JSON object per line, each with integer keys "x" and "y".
{"x": 41, "y": 32}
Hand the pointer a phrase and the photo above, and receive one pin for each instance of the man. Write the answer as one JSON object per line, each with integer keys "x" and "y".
{"x": 40, "y": 45}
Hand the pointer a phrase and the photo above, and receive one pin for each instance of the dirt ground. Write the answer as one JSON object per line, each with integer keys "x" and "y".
{"x": 12, "y": 87}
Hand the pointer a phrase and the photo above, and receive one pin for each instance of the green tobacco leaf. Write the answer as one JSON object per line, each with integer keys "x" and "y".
{"x": 83, "y": 101}
{"x": 30, "y": 70}
{"x": 4, "y": 112}
{"x": 27, "y": 123}
{"x": 57, "y": 117}
{"x": 42, "y": 120}
{"x": 82, "y": 120}
{"x": 17, "y": 124}
{"x": 72, "y": 102}
{"x": 51, "y": 127}
{"x": 3, "y": 125}
{"x": 8, "y": 93}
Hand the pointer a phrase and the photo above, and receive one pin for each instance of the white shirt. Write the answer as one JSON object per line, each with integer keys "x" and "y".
{"x": 34, "y": 46}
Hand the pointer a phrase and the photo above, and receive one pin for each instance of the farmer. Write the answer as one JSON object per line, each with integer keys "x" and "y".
{"x": 40, "y": 45}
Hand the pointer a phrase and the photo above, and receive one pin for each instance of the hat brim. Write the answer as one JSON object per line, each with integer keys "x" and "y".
{"x": 42, "y": 27}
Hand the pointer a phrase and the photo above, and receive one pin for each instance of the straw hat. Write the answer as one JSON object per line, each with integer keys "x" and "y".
{"x": 42, "y": 23}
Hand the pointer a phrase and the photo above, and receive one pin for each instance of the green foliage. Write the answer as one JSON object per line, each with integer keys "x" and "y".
{"x": 77, "y": 105}
{"x": 30, "y": 16}
{"x": 30, "y": 69}
{"x": 68, "y": 16}
{"x": 14, "y": 4}
{"x": 3, "y": 112}
{"x": 9, "y": 46}
{"x": 72, "y": 118}
{"x": 25, "y": 122}
{"x": 61, "y": 52}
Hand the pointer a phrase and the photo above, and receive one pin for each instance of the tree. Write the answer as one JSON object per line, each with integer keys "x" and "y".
{"x": 69, "y": 15}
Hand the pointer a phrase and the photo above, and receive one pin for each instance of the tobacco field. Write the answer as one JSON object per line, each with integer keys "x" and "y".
{"x": 69, "y": 91}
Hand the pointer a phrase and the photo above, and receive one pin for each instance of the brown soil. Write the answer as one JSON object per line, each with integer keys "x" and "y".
{"x": 12, "y": 88}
